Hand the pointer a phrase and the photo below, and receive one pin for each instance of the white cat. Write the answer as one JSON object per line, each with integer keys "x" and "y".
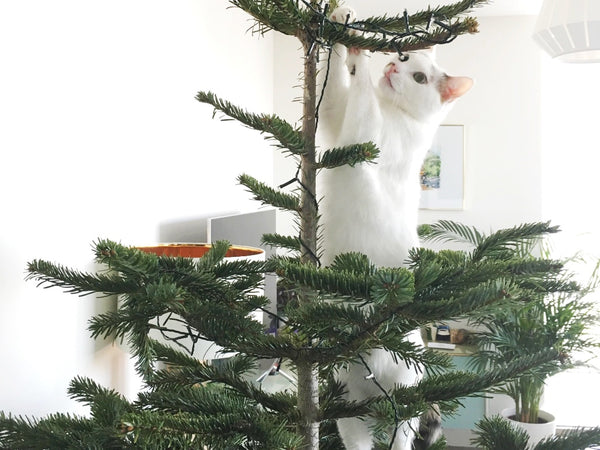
{"x": 372, "y": 208}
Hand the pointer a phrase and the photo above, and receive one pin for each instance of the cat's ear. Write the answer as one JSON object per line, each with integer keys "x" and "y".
{"x": 453, "y": 87}
{"x": 431, "y": 51}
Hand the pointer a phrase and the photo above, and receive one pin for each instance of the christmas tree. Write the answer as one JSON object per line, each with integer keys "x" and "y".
{"x": 336, "y": 314}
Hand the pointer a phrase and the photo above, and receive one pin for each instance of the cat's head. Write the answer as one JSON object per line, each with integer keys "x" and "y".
{"x": 419, "y": 87}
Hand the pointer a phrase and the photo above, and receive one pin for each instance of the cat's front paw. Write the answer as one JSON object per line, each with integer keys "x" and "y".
{"x": 358, "y": 62}
{"x": 343, "y": 14}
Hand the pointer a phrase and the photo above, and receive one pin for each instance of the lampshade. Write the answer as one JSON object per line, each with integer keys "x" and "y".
{"x": 569, "y": 30}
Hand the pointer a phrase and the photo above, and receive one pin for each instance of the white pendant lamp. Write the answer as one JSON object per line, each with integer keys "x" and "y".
{"x": 569, "y": 30}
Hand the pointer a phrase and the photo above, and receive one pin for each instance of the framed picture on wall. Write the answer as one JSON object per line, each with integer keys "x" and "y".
{"x": 443, "y": 170}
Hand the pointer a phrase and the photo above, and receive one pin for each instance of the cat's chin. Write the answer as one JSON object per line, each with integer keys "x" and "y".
{"x": 386, "y": 88}
{"x": 386, "y": 82}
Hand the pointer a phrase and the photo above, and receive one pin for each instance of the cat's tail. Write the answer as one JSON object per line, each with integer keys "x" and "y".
{"x": 430, "y": 429}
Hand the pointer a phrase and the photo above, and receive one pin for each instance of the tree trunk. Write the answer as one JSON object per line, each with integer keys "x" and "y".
{"x": 308, "y": 382}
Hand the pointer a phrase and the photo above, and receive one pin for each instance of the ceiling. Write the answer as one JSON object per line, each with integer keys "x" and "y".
{"x": 495, "y": 7}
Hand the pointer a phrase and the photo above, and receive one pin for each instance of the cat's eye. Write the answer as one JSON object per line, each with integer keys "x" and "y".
{"x": 420, "y": 77}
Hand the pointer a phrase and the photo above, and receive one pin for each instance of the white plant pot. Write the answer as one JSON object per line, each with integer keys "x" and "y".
{"x": 536, "y": 431}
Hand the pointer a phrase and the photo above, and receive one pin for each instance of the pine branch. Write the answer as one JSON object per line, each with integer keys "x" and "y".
{"x": 130, "y": 262}
{"x": 235, "y": 430}
{"x": 578, "y": 438}
{"x": 424, "y": 18}
{"x": 329, "y": 322}
{"x": 276, "y": 240}
{"x": 408, "y": 43}
{"x": 186, "y": 372}
{"x": 404, "y": 33}
{"x": 56, "y": 431}
{"x": 142, "y": 349}
{"x": 451, "y": 385}
{"x": 509, "y": 239}
{"x": 214, "y": 401}
{"x": 340, "y": 408}
{"x": 412, "y": 32}
{"x": 116, "y": 324}
{"x": 506, "y": 241}
{"x": 238, "y": 365}
{"x": 88, "y": 392}
{"x": 269, "y": 196}
{"x": 445, "y": 388}
{"x": 450, "y": 231}
{"x": 342, "y": 331}
{"x": 353, "y": 262}
{"x": 349, "y": 155}
{"x": 216, "y": 255}
{"x": 76, "y": 282}
{"x": 535, "y": 268}
{"x": 329, "y": 282}
{"x": 280, "y": 15}
{"x": 287, "y": 136}
{"x": 462, "y": 303}
{"x": 392, "y": 287}
{"x": 496, "y": 433}
{"x": 198, "y": 292}
{"x": 445, "y": 275}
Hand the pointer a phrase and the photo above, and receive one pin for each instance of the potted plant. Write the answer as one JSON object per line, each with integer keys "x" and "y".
{"x": 549, "y": 313}
{"x": 559, "y": 322}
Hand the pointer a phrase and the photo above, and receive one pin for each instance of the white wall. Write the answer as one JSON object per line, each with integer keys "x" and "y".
{"x": 101, "y": 137}
{"x": 571, "y": 150}
{"x": 501, "y": 115}
{"x": 570, "y": 161}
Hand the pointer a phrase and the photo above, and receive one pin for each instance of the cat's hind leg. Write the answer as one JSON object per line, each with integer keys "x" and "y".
{"x": 405, "y": 435}
{"x": 355, "y": 434}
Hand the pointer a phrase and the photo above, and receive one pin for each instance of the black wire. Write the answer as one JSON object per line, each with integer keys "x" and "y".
{"x": 372, "y": 377}
{"x": 293, "y": 180}
{"x": 272, "y": 315}
{"x": 325, "y": 80}
{"x": 360, "y": 25}
{"x": 164, "y": 329}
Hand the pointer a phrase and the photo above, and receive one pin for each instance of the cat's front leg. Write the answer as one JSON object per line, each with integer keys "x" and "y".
{"x": 334, "y": 82}
{"x": 358, "y": 67}
{"x": 362, "y": 121}
{"x": 362, "y": 116}
{"x": 337, "y": 72}
{"x": 343, "y": 14}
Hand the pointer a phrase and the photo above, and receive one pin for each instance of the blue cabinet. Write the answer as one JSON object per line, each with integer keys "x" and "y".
{"x": 473, "y": 408}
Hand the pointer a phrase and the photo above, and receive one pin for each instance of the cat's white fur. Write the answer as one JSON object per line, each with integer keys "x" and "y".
{"x": 372, "y": 208}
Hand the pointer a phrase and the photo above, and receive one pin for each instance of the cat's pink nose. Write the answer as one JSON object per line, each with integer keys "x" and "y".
{"x": 390, "y": 69}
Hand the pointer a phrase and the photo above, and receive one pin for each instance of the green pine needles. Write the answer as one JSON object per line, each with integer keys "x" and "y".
{"x": 289, "y": 138}
{"x": 495, "y": 433}
{"x": 356, "y": 307}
